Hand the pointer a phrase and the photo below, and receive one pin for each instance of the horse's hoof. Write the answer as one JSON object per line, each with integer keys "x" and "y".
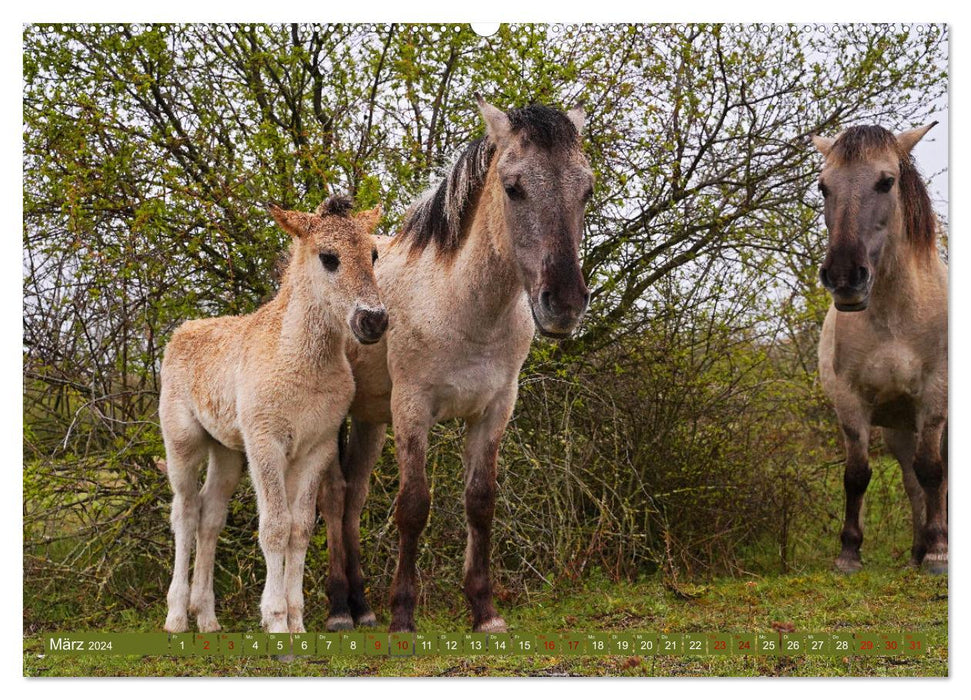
{"x": 208, "y": 624}
{"x": 339, "y": 623}
{"x": 402, "y": 627}
{"x": 935, "y": 564}
{"x": 846, "y": 565}
{"x": 366, "y": 620}
{"x": 176, "y": 624}
{"x": 285, "y": 658}
{"x": 494, "y": 625}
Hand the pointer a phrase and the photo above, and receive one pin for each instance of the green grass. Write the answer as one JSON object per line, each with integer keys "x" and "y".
{"x": 886, "y": 596}
{"x": 875, "y": 600}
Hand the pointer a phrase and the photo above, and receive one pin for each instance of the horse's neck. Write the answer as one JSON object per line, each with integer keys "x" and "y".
{"x": 484, "y": 272}
{"x": 308, "y": 331}
{"x": 907, "y": 280}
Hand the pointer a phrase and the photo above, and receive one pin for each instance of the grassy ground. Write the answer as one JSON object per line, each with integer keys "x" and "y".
{"x": 886, "y": 596}
{"x": 876, "y": 600}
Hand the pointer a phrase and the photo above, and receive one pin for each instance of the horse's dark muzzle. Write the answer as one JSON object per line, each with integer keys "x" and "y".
{"x": 368, "y": 325}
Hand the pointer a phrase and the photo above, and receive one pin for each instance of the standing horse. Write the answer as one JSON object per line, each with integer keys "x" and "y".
{"x": 883, "y": 348}
{"x": 275, "y": 384}
{"x": 484, "y": 257}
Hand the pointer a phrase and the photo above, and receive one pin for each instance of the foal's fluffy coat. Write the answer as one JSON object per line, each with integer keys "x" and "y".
{"x": 275, "y": 385}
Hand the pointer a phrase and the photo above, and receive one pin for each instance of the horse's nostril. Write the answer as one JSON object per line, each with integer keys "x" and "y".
{"x": 824, "y": 277}
{"x": 864, "y": 275}
{"x": 546, "y": 300}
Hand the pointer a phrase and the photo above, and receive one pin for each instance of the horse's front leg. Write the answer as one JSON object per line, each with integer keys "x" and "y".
{"x": 932, "y": 475}
{"x": 268, "y": 466}
{"x": 480, "y": 458}
{"x": 302, "y": 481}
{"x": 856, "y": 478}
{"x": 411, "y": 426}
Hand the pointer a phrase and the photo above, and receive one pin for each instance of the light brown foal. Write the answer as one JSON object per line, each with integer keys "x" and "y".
{"x": 883, "y": 349}
{"x": 275, "y": 385}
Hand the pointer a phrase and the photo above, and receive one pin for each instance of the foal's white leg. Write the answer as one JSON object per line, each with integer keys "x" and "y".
{"x": 302, "y": 479}
{"x": 267, "y": 465}
{"x": 183, "y": 456}
{"x": 225, "y": 468}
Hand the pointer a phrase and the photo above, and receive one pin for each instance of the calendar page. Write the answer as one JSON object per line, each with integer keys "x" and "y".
{"x": 514, "y": 349}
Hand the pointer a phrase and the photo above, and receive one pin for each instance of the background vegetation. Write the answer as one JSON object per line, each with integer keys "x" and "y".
{"x": 679, "y": 434}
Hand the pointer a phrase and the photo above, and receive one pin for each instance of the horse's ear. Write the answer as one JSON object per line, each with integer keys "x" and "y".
{"x": 578, "y": 116}
{"x": 909, "y": 139}
{"x": 296, "y": 223}
{"x": 823, "y": 144}
{"x": 497, "y": 122}
{"x": 369, "y": 218}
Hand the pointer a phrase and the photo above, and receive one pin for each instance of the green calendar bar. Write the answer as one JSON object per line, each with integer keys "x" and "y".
{"x": 426, "y": 644}
{"x": 645, "y": 643}
{"x": 768, "y": 644}
{"x": 572, "y": 644}
{"x": 206, "y": 644}
{"x": 353, "y": 644}
{"x": 842, "y": 644}
{"x": 108, "y": 644}
{"x": 328, "y": 644}
{"x": 696, "y": 644}
{"x": 548, "y": 643}
{"x": 182, "y": 644}
{"x": 451, "y": 644}
{"x": 475, "y": 643}
{"x": 255, "y": 644}
{"x": 500, "y": 643}
{"x": 745, "y": 644}
{"x": 914, "y": 644}
{"x": 403, "y": 645}
{"x": 817, "y": 644}
{"x": 670, "y": 644}
{"x": 230, "y": 644}
{"x": 597, "y": 643}
{"x": 523, "y": 643}
{"x": 302, "y": 644}
{"x": 719, "y": 644}
{"x": 793, "y": 643}
{"x": 867, "y": 644}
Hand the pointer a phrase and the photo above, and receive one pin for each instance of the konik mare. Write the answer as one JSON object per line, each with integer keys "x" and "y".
{"x": 484, "y": 257}
{"x": 883, "y": 349}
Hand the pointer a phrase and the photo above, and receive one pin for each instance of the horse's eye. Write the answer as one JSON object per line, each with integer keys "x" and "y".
{"x": 374, "y": 256}
{"x": 588, "y": 194}
{"x": 514, "y": 191}
{"x": 824, "y": 189}
{"x": 884, "y": 184}
{"x": 330, "y": 261}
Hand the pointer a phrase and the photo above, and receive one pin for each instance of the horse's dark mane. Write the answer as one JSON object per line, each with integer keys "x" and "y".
{"x": 440, "y": 216}
{"x": 859, "y": 143}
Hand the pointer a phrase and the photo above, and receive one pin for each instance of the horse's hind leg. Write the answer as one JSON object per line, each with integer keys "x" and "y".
{"x": 363, "y": 450}
{"x": 330, "y": 502}
{"x": 222, "y": 477}
{"x": 931, "y": 473}
{"x": 185, "y": 445}
{"x": 903, "y": 443}
{"x": 856, "y": 478}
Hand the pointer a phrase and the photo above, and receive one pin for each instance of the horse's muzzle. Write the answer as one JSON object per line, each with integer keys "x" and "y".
{"x": 368, "y": 325}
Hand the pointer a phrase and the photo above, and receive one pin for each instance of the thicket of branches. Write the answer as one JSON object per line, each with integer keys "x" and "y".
{"x": 679, "y": 429}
